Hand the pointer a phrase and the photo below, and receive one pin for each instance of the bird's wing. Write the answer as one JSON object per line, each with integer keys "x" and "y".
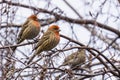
{"x": 45, "y": 37}
{"x": 71, "y": 56}
{"x": 68, "y": 62}
{"x": 24, "y": 26}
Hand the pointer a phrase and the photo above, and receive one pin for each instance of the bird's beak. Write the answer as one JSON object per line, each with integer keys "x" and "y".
{"x": 59, "y": 30}
{"x": 38, "y": 19}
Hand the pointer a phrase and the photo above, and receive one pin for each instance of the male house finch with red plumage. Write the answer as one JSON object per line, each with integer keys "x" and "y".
{"x": 30, "y": 29}
{"x": 48, "y": 41}
{"x": 76, "y": 58}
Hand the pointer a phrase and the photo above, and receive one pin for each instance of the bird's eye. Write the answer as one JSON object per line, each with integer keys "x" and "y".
{"x": 55, "y": 28}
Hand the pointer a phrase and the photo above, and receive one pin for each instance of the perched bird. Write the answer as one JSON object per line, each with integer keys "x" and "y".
{"x": 48, "y": 41}
{"x": 75, "y": 59}
{"x": 30, "y": 29}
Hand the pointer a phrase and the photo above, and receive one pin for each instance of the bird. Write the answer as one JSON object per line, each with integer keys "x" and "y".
{"x": 75, "y": 59}
{"x": 30, "y": 29}
{"x": 48, "y": 41}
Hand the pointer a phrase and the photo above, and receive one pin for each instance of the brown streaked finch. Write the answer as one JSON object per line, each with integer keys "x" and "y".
{"x": 76, "y": 58}
{"x": 48, "y": 41}
{"x": 30, "y": 29}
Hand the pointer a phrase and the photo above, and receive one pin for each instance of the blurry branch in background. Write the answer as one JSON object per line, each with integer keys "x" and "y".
{"x": 74, "y": 10}
{"x": 17, "y": 45}
{"x": 119, "y": 1}
{"x": 44, "y": 22}
{"x": 106, "y": 39}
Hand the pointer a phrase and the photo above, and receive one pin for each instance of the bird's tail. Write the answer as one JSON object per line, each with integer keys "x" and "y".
{"x": 31, "y": 58}
{"x": 34, "y": 54}
{"x": 13, "y": 49}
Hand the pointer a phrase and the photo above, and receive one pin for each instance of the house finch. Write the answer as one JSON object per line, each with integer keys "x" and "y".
{"x": 49, "y": 40}
{"x": 30, "y": 29}
{"x": 75, "y": 59}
